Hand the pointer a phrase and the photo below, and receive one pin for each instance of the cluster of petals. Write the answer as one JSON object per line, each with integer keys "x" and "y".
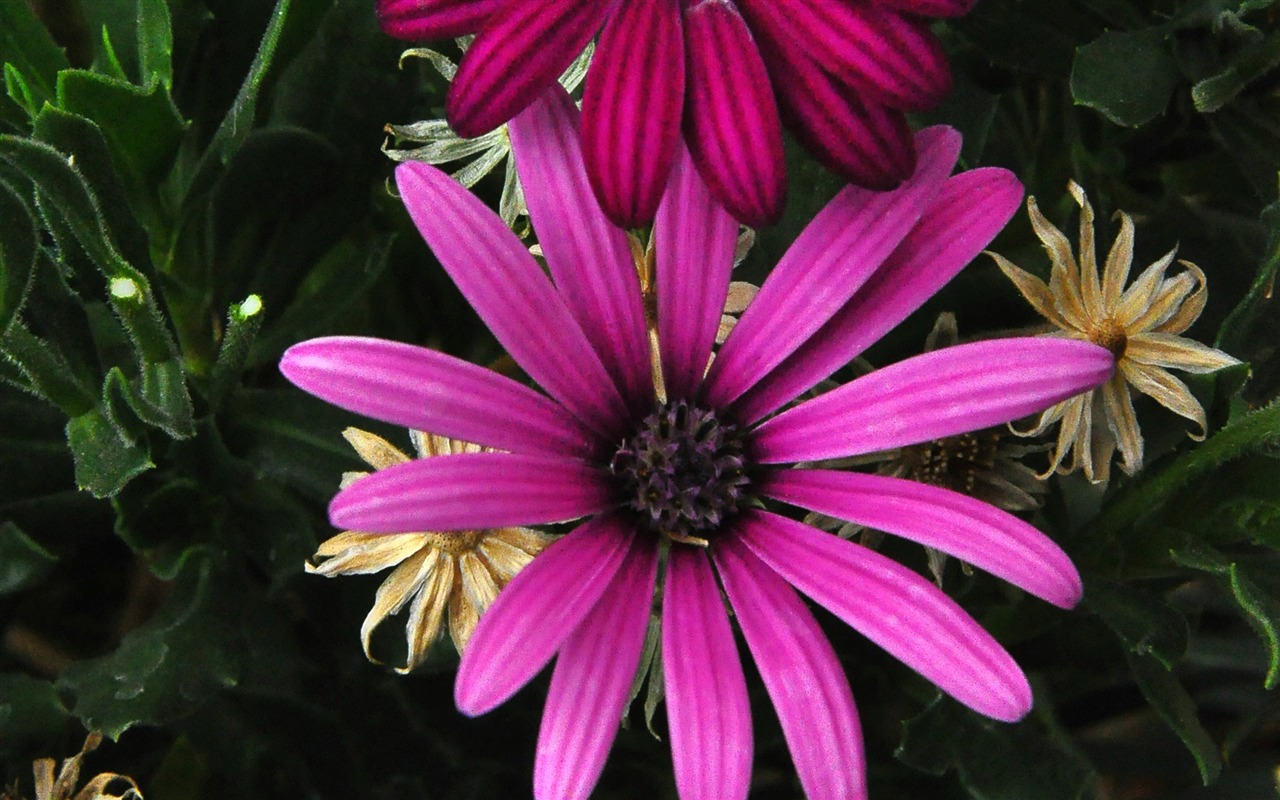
{"x": 727, "y": 74}
{"x": 863, "y": 264}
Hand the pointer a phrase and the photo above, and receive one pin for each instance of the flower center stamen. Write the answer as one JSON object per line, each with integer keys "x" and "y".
{"x": 1111, "y": 335}
{"x": 683, "y": 472}
{"x": 954, "y": 462}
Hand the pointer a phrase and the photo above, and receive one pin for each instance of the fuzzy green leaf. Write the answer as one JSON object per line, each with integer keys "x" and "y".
{"x": 106, "y": 456}
{"x": 25, "y": 43}
{"x": 1146, "y": 624}
{"x": 1237, "y": 325}
{"x": 23, "y": 562}
{"x": 1171, "y": 702}
{"x": 1246, "y": 66}
{"x": 1128, "y": 76}
{"x": 17, "y": 253}
{"x": 169, "y": 666}
{"x": 30, "y": 712}
{"x": 155, "y": 43}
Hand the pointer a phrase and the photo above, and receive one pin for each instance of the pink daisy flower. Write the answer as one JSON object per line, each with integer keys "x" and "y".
{"x": 701, "y": 468}
{"x": 841, "y": 73}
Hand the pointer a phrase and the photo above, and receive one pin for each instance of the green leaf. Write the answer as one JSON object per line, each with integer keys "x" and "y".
{"x": 155, "y": 43}
{"x": 1127, "y": 76}
{"x": 1250, "y": 134}
{"x": 106, "y": 456}
{"x": 30, "y": 712}
{"x": 1171, "y": 702}
{"x": 17, "y": 254}
{"x": 27, "y": 45}
{"x": 948, "y": 736}
{"x": 23, "y": 562}
{"x": 1246, "y": 66}
{"x": 141, "y": 125}
{"x": 1261, "y": 609}
{"x": 1143, "y": 497}
{"x": 1237, "y": 325}
{"x": 19, "y": 91}
{"x": 1146, "y": 623}
{"x": 169, "y": 666}
{"x": 47, "y": 371}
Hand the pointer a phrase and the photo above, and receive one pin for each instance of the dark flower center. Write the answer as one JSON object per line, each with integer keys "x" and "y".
{"x": 1111, "y": 335}
{"x": 954, "y": 462}
{"x": 683, "y": 472}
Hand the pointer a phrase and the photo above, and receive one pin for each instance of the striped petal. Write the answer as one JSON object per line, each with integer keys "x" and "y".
{"x": 425, "y": 390}
{"x": 706, "y": 691}
{"x": 834, "y": 255}
{"x": 973, "y": 531}
{"x": 890, "y": 59}
{"x": 731, "y": 119}
{"x": 537, "y": 611}
{"x": 590, "y": 684}
{"x": 470, "y": 491}
{"x": 434, "y": 19}
{"x": 808, "y": 688}
{"x": 863, "y": 141}
{"x": 695, "y": 240}
{"x": 931, "y": 396}
{"x": 897, "y": 609}
{"x": 631, "y": 109}
{"x": 969, "y": 211}
{"x": 511, "y": 294}
{"x": 517, "y": 56}
{"x": 588, "y": 257}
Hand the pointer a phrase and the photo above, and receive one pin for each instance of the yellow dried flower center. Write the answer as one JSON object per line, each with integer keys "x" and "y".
{"x": 1111, "y": 335}
{"x": 455, "y": 544}
{"x": 954, "y": 462}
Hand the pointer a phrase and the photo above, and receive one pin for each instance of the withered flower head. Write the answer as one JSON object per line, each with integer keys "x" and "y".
{"x": 459, "y": 572}
{"x": 1140, "y": 325}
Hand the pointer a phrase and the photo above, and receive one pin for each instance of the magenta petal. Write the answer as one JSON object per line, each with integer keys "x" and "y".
{"x": 434, "y": 19}
{"x": 931, "y": 396}
{"x": 975, "y": 532}
{"x": 932, "y": 8}
{"x": 890, "y": 59}
{"x": 511, "y": 294}
{"x": 588, "y": 257}
{"x": 731, "y": 118}
{"x": 590, "y": 684}
{"x": 969, "y": 211}
{"x": 895, "y": 608}
{"x": 708, "y": 713}
{"x": 544, "y": 603}
{"x": 468, "y": 491}
{"x": 808, "y": 688}
{"x": 420, "y": 388}
{"x": 695, "y": 240}
{"x": 832, "y": 257}
{"x": 864, "y": 141}
{"x": 631, "y": 109}
{"x": 521, "y": 51}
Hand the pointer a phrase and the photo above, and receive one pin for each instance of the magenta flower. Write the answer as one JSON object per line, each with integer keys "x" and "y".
{"x": 695, "y": 471}
{"x": 842, "y": 74}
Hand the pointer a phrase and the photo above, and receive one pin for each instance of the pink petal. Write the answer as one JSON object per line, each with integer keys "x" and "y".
{"x": 468, "y": 491}
{"x": 895, "y": 608}
{"x": 434, "y": 19}
{"x": 969, "y": 211}
{"x": 931, "y": 396}
{"x": 731, "y": 119}
{"x": 832, "y": 257}
{"x": 862, "y": 140}
{"x": 932, "y": 8}
{"x": 544, "y": 603}
{"x": 801, "y": 673}
{"x": 593, "y": 674}
{"x": 422, "y": 389}
{"x": 521, "y": 52}
{"x": 974, "y": 532}
{"x": 631, "y": 109}
{"x": 511, "y": 294}
{"x": 887, "y": 58}
{"x": 588, "y": 257}
{"x": 695, "y": 240}
{"x": 708, "y": 713}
